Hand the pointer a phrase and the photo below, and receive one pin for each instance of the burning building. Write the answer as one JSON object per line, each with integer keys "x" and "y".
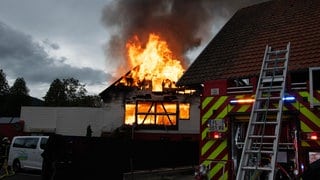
{"x": 157, "y": 36}
{"x": 148, "y": 96}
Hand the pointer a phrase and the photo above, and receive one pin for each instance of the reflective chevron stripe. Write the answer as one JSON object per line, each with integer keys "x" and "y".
{"x": 218, "y": 107}
{"x": 215, "y": 106}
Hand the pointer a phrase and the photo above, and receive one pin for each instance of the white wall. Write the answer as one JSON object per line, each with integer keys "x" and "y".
{"x": 38, "y": 118}
{"x": 71, "y": 120}
{"x": 74, "y": 120}
{"x": 192, "y": 126}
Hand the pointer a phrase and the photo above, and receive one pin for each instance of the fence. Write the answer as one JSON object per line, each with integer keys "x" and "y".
{"x": 90, "y": 158}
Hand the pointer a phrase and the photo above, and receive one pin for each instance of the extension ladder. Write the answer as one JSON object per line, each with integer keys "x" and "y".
{"x": 259, "y": 153}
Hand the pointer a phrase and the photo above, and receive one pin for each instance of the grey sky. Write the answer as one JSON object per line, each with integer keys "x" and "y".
{"x": 41, "y": 40}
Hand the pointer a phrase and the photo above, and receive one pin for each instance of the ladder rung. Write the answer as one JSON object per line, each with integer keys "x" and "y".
{"x": 259, "y": 151}
{"x": 266, "y": 110}
{"x": 277, "y": 59}
{"x": 257, "y": 168}
{"x": 273, "y": 68}
{"x": 265, "y": 147}
{"x": 280, "y": 144}
{"x": 264, "y": 136}
{"x": 277, "y": 51}
{"x": 265, "y": 143}
{"x": 268, "y": 79}
{"x": 270, "y": 90}
{"x": 271, "y": 87}
{"x": 267, "y": 122}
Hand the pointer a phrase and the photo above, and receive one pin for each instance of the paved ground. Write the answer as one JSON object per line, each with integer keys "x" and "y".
{"x": 185, "y": 173}
{"x": 30, "y": 175}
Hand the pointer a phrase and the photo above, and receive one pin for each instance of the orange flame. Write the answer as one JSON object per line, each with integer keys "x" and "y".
{"x": 155, "y": 64}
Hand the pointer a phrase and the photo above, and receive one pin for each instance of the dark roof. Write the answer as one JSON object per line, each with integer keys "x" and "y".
{"x": 238, "y": 49}
{"x": 116, "y": 87}
{"x": 8, "y": 120}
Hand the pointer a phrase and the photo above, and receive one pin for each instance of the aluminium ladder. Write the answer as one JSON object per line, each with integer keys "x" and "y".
{"x": 259, "y": 153}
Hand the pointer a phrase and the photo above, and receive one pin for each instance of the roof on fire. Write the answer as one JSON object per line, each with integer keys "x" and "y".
{"x": 237, "y": 50}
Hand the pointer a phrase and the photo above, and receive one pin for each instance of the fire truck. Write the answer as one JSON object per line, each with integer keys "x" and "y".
{"x": 227, "y": 112}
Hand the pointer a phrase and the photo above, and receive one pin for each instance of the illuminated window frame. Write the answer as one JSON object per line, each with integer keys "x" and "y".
{"x": 313, "y": 103}
{"x": 134, "y": 115}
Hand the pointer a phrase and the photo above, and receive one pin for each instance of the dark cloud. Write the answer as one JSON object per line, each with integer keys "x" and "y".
{"x": 21, "y": 56}
{"x": 50, "y": 44}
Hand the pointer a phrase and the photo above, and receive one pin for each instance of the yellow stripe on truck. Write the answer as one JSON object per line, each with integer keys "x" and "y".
{"x": 206, "y": 101}
{"x": 215, "y": 106}
{"x": 217, "y": 166}
{"x": 220, "y": 166}
{"x": 309, "y": 114}
{"x": 304, "y": 127}
{"x": 205, "y": 148}
{"x": 218, "y": 150}
{"x": 244, "y": 108}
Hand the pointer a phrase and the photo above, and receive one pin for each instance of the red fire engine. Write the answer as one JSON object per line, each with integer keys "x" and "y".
{"x": 226, "y": 108}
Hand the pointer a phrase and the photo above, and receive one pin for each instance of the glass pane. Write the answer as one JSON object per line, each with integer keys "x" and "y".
{"x": 184, "y": 111}
{"x": 144, "y": 107}
{"x": 170, "y": 107}
{"x": 18, "y": 143}
{"x": 129, "y": 113}
{"x": 146, "y": 119}
{"x": 316, "y": 79}
{"x": 43, "y": 143}
{"x": 31, "y": 143}
{"x": 166, "y": 120}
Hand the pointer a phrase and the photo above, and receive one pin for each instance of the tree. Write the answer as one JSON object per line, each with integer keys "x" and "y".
{"x": 11, "y": 99}
{"x": 74, "y": 89}
{"x": 69, "y": 92}
{"x": 18, "y": 96}
{"x": 4, "y": 91}
{"x": 90, "y": 101}
{"x": 19, "y": 88}
{"x": 56, "y": 95}
{"x": 4, "y": 86}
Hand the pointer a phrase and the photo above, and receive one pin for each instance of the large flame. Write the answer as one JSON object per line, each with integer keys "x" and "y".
{"x": 153, "y": 63}
{"x": 154, "y": 67}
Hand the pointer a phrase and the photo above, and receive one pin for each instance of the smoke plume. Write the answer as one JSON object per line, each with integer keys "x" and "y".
{"x": 184, "y": 24}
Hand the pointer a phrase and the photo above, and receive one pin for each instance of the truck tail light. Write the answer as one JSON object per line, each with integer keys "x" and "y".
{"x": 216, "y": 135}
{"x": 312, "y": 136}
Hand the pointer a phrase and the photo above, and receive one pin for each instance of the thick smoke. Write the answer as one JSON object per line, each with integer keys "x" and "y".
{"x": 184, "y": 24}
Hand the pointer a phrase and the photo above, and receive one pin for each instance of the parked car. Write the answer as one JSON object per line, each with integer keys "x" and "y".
{"x": 25, "y": 152}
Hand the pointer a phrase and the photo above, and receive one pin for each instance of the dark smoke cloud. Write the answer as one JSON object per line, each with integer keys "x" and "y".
{"x": 184, "y": 24}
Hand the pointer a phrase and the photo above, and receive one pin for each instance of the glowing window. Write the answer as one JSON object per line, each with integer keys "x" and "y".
{"x": 152, "y": 113}
{"x": 129, "y": 113}
{"x": 184, "y": 111}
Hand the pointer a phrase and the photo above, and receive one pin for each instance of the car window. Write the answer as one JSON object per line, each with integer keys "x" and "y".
{"x": 43, "y": 143}
{"x": 31, "y": 143}
{"x": 18, "y": 143}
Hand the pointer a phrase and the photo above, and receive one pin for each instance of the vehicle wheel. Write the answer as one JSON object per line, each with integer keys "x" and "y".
{"x": 16, "y": 165}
